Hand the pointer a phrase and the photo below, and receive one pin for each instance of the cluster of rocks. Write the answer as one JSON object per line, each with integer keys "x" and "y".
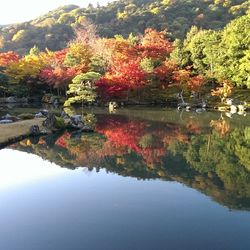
{"x": 13, "y": 99}
{"x": 232, "y": 106}
{"x": 48, "y": 122}
{"x": 64, "y": 121}
{"x": 199, "y": 107}
{"x": 52, "y": 121}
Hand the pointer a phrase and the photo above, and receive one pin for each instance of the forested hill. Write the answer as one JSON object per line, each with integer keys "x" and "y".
{"x": 55, "y": 29}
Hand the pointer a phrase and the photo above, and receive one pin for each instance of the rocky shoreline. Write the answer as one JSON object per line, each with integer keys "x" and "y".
{"x": 16, "y": 128}
{"x": 16, "y": 131}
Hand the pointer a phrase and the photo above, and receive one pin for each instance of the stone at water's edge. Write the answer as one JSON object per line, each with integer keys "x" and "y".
{"x": 34, "y": 130}
{"x": 18, "y": 130}
{"x": 5, "y": 121}
{"x": 76, "y": 121}
{"x": 9, "y": 117}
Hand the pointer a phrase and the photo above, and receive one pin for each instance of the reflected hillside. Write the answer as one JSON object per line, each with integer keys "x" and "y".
{"x": 210, "y": 155}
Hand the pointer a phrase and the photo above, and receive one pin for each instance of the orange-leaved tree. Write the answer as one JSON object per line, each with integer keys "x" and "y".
{"x": 223, "y": 91}
{"x": 121, "y": 78}
{"x": 155, "y": 45}
{"x": 8, "y": 57}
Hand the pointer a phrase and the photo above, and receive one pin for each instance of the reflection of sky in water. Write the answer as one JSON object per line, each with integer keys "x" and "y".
{"x": 19, "y": 168}
{"x": 65, "y": 209}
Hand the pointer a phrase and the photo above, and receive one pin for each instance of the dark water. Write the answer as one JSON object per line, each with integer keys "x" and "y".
{"x": 146, "y": 179}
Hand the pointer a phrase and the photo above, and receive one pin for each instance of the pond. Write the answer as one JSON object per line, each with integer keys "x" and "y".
{"x": 145, "y": 179}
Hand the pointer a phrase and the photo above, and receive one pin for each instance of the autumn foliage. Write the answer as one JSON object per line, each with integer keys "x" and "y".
{"x": 126, "y": 65}
{"x": 223, "y": 91}
{"x": 155, "y": 45}
{"x": 58, "y": 77}
{"x": 7, "y": 58}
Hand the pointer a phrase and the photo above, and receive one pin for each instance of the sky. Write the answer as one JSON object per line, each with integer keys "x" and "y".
{"x": 13, "y": 11}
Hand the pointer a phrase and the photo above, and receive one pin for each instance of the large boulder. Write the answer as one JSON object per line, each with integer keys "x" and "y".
{"x": 42, "y": 113}
{"x": 39, "y": 115}
{"x": 11, "y": 99}
{"x": 76, "y": 122}
{"x": 34, "y": 130}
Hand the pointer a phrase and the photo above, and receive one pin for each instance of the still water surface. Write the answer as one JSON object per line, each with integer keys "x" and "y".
{"x": 146, "y": 179}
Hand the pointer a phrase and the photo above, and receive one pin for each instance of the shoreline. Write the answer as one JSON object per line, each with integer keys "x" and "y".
{"x": 14, "y": 132}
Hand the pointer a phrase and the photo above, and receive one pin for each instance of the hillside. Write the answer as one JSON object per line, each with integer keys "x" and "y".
{"x": 55, "y": 29}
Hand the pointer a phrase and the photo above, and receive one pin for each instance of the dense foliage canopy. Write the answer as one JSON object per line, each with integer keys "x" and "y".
{"x": 93, "y": 68}
{"x": 142, "y": 62}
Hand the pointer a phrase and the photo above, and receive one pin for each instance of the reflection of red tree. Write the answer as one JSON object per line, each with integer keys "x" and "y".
{"x": 175, "y": 135}
{"x": 193, "y": 126}
{"x": 152, "y": 156}
{"x": 110, "y": 149}
{"x": 129, "y": 133}
{"x": 122, "y": 133}
{"x": 222, "y": 127}
{"x": 123, "y": 136}
{"x": 62, "y": 140}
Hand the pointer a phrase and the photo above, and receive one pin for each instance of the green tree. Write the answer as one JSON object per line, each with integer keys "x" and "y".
{"x": 179, "y": 55}
{"x": 82, "y": 88}
{"x": 212, "y": 52}
{"x": 4, "y": 87}
{"x": 98, "y": 64}
{"x": 243, "y": 75}
{"x": 235, "y": 46}
{"x": 147, "y": 64}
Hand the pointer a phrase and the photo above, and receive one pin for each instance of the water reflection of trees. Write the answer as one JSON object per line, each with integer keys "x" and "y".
{"x": 214, "y": 160}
